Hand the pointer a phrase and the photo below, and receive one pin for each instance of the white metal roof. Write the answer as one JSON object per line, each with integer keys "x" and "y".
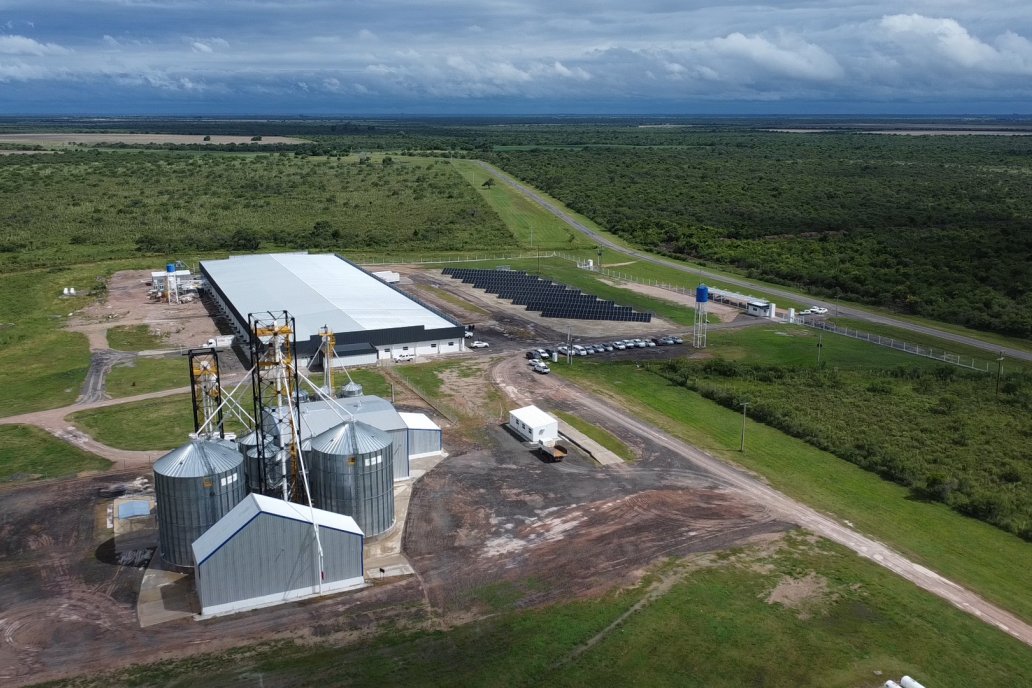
{"x": 317, "y": 289}
{"x": 533, "y": 416}
{"x": 254, "y": 504}
{"x": 418, "y": 421}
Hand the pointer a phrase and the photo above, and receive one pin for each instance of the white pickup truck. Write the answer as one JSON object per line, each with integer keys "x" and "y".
{"x": 221, "y": 342}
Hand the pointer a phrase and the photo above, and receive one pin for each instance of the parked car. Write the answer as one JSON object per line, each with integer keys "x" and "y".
{"x": 818, "y": 310}
{"x": 665, "y": 341}
{"x": 533, "y": 355}
{"x": 477, "y": 344}
{"x": 468, "y": 335}
{"x": 677, "y": 340}
{"x": 543, "y": 369}
{"x": 563, "y": 350}
{"x": 619, "y": 345}
{"x": 650, "y": 342}
{"x": 579, "y": 350}
{"x": 640, "y": 343}
{"x": 402, "y": 358}
{"x": 607, "y": 347}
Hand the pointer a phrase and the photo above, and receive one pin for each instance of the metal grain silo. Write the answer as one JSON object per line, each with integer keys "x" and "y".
{"x": 351, "y": 472}
{"x": 352, "y": 389}
{"x": 195, "y": 486}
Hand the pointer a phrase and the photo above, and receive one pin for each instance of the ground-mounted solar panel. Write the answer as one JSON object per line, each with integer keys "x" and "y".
{"x": 550, "y": 299}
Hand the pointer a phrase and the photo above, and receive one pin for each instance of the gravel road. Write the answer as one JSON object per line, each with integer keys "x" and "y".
{"x": 510, "y": 375}
{"x": 847, "y": 311}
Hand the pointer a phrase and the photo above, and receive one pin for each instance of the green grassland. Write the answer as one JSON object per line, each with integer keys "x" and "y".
{"x": 41, "y": 365}
{"x": 533, "y": 226}
{"x": 133, "y": 338}
{"x": 30, "y": 452}
{"x": 715, "y": 626}
{"x": 973, "y": 553}
{"x": 169, "y": 422}
{"x": 146, "y": 374}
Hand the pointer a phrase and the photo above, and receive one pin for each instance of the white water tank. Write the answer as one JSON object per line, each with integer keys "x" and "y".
{"x": 908, "y": 682}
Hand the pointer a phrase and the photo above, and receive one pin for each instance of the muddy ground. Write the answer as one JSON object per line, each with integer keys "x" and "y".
{"x": 491, "y": 522}
{"x": 180, "y": 325}
{"x": 484, "y": 521}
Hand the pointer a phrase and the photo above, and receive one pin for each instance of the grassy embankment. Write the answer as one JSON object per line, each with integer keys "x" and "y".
{"x": 973, "y": 553}
{"x": 600, "y": 435}
{"x": 719, "y": 624}
{"x": 28, "y": 453}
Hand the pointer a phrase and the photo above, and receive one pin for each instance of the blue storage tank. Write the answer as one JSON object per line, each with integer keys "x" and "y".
{"x": 170, "y": 267}
{"x": 701, "y": 293}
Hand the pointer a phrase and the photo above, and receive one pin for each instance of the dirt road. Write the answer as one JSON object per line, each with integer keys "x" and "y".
{"x": 838, "y": 309}
{"x": 510, "y": 375}
{"x": 54, "y": 422}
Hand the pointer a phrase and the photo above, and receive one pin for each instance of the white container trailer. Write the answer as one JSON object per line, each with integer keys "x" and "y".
{"x": 534, "y": 425}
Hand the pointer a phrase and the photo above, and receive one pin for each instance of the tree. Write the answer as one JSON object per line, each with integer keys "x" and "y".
{"x": 207, "y": 138}
{"x": 489, "y": 183}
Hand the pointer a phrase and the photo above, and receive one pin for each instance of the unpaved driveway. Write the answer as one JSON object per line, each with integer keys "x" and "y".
{"x": 511, "y": 377}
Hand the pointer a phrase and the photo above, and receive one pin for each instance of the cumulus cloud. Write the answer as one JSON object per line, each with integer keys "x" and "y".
{"x": 23, "y": 45}
{"x": 564, "y": 53}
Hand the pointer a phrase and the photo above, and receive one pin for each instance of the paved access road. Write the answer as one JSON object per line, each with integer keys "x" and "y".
{"x": 847, "y": 311}
{"x": 510, "y": 375}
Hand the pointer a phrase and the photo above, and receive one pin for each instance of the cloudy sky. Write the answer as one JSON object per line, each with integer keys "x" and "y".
{"x": 514, "y": 56}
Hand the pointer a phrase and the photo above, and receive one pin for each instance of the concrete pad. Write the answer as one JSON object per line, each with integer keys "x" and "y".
{"x": 384, "y": 552}
{"x": 165, "y": 595}
{"x": 590, "y": 446}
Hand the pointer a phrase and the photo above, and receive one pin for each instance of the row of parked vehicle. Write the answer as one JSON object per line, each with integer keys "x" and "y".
{"x": 603, "y": 347}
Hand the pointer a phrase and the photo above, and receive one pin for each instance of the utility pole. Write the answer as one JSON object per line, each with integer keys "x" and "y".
{"x": 999, "y": 372}
{"x": 745, "y": 405}
{"x": 820, "y": 345}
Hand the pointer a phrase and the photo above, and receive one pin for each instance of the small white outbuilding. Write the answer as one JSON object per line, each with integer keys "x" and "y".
{"x": 534, "y": 425}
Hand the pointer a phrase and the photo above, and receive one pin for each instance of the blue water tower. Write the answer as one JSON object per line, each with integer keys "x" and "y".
{"x": 701, "y": 293}
{"x": 170, "y": 268}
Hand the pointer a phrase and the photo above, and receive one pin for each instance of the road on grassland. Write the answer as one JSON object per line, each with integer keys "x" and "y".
{"x": 746, "y": 284}
{"x": 528, "y": 388}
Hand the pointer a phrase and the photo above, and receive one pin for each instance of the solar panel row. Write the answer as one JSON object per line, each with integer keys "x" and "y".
{"x": 552, "y": 300}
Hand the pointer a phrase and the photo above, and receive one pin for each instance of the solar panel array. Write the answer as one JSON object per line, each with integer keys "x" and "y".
{"x": 550, "y": 299}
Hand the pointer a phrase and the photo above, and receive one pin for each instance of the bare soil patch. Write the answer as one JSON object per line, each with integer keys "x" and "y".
{"x": 127, "y": 303}
{"x": 804, "y": 595}
{"x": 69, "y": 139}
{"x": 724, "y": 312}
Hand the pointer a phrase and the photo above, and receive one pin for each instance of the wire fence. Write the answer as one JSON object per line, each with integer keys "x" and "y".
{"x": 456, "y": 258}
{"x": 970, "y": 362}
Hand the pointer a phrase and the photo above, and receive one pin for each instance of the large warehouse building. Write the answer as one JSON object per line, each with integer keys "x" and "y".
{"x": 371, "y": 320}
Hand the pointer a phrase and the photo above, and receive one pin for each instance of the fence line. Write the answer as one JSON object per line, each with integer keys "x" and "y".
{"x": 969, "y": 362}
{"x": 467, "y": 258}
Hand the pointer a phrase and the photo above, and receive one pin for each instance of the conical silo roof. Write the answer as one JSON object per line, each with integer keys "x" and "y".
{"x": 351, "y": 437}
{"x": 198, "y": 458}
{"x": 249, "y": 440}
{"x": 352, "y": 389}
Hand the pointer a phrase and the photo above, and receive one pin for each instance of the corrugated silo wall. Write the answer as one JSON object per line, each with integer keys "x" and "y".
{"x": 189, "y": 506}
{"x": 272, "y": 555}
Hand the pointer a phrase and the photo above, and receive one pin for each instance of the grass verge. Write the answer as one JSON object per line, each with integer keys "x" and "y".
{"x": 28, "y": 453}
{"x": 600, "y": 435}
